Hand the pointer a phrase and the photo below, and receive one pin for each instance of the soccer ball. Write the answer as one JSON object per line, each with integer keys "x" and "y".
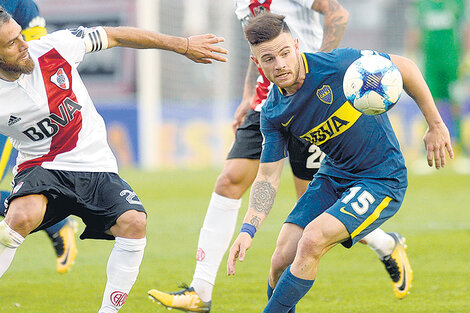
{"x": 373, "y": 84}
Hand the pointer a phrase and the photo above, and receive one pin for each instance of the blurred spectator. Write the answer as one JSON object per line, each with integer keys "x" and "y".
{"x": 437, "y": 33}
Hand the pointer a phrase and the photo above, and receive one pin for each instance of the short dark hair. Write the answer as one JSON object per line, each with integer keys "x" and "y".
{"x": 4, "y": 15}
{"x": 265, "y": 27}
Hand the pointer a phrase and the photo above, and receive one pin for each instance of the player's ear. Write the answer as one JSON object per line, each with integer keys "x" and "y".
{"x": 296, "y": 43}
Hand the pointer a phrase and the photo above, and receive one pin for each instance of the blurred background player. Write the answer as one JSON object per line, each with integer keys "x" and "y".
{"x": 241, "y": 166}
{"x": 438, "y": 33}
{"x": 62, "y": 234}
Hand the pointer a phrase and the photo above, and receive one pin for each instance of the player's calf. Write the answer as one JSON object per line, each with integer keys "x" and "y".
{"x": 122, "y": 271}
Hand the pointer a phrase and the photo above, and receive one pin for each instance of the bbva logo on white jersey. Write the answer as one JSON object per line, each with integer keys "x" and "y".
{"x": 60, "y": 79}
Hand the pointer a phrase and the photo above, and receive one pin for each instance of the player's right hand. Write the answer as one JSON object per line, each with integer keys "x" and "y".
{"x": 201, "y": 49}
{"x": 238, "y": 250}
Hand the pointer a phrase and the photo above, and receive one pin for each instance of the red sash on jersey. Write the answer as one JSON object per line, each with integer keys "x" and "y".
{"x": 59, "y": 94}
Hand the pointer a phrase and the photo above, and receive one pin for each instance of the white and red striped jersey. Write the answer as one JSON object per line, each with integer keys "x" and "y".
{"x": 304, "y": 24}
{"x": 48, "y": 114}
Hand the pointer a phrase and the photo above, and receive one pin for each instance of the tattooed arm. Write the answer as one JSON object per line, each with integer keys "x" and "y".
{"x": 263, "y": 192}
{"x": 248, "y": 94}
{"x": 335, "y": 20}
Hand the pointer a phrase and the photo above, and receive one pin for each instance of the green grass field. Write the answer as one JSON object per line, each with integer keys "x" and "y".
{"x": 435, "y": 219}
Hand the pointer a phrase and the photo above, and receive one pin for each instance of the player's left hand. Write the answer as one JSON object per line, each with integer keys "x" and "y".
{"x": 436, "y": 142}
{"x": 201, "y": 49}
{"x": 238, "y": 250}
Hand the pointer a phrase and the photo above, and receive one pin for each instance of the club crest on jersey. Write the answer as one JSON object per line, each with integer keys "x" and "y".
{"x": 60, "y": 79}
{"x": 325, "y": 94}
{"x": 259, "y": 6}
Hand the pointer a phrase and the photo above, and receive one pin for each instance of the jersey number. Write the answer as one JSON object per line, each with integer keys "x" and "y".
{"x": 363, "y": 200}
{"x": 314, "y": 160}
{"x": 130, "y": 195}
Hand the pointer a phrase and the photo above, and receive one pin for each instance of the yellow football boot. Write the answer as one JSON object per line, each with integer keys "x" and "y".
{"x": 65, "y": 246}
{"x": 398, "y": 266}
{"x": 185, "y": 300}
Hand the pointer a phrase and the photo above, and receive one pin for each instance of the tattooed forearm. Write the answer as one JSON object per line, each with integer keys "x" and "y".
{"x": 332, "y": 34}
{"x": 262, "y": 196}
{"x": 336, "y": 18}
{"x": 255, "y": 220}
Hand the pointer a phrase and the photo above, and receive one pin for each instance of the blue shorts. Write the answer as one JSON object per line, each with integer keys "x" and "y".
{"x": 361, "y": 205}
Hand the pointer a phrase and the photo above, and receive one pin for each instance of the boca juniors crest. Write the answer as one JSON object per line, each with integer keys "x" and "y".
{"x": 325, "y": 94}
{"x": 60, "y": 79}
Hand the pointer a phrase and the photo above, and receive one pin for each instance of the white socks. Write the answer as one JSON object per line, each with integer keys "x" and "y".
{"x": 122, "y": 271}
{"x": 214, "y": 239}
{"x": 381, "y": 242}
{"x": 9, "y": 241}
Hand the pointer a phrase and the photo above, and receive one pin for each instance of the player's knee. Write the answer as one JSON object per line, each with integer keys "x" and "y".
{"x": 310, "y": 246}
{"x": 227, "y": 185}
{"x": 131, "y": 224}
{"x": 25, "y": 214}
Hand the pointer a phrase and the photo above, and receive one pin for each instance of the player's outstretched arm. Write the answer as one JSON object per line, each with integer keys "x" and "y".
{"x": 334, "y": 23}
{"x": 436, "y": 138}
{"x": 199, "y": 48}
{"x": 263, "y": 192}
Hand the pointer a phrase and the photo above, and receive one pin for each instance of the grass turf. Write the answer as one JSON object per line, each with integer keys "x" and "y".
{"x": 434, "y": 218}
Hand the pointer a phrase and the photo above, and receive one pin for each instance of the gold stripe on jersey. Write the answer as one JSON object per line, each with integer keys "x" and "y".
{"x": 373, "y": 217}
{"x": 5, "y": 157}
{"x": 305, "y": 63}
{"x": 336, "y": 124}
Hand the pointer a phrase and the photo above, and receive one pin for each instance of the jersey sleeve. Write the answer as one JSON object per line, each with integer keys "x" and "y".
{"x": 274, "y": 142}
{"x": 72, "y": 44}
{"x": 242, "y": 11}
{"x": 306, "y": 3}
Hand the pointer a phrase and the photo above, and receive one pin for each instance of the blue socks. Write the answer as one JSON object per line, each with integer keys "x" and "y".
{"x": 55, "y": 228}
{"x": 288, "y": 292}
{"x": 270, "y": 293}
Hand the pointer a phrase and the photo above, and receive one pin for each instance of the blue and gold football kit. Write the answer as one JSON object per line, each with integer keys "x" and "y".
{"x": 362, "y": 180}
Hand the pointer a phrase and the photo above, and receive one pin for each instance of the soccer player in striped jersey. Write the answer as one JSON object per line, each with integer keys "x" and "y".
{"x": 62, "y": 234}
{"x": 65, "y": 165}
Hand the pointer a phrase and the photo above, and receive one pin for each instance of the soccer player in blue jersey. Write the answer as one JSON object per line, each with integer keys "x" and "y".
{"x": 362, "y": 180}
{"x": 62, "y": 234}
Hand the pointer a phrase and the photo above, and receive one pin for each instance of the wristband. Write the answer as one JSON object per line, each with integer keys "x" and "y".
{"x": 248, "y": 228}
